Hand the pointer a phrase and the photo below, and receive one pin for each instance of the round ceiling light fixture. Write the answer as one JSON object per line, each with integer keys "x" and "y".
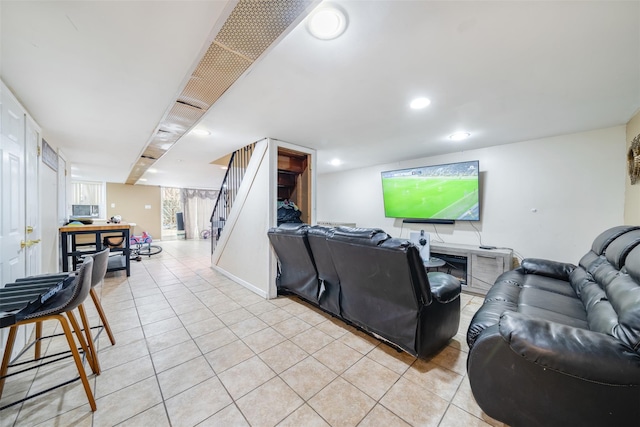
{"x": 327, "y": 22}
{"x": 459, "y": 136}
{"x": 420, "y": 103}
{"x": 335, "y": 162}
{"x": 201, "y": 132}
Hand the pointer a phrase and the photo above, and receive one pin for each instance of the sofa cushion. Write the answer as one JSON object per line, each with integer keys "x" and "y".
{"x": 541, "y": 267}
{"x": 549, "y": 284}
{"x": 553, "y": 316}
{"x": 624, "y": 295}
{"x": 632, "y": 266}
{"x": 362, "y": 236}
{"x": 605, "y": 238}
{"x": 297, "y": 269}
{"x": 551, "y": 305}
{"x": 589, "y": 259}
{"x": 616, "y": 253}
{"x": 329, "y": 293}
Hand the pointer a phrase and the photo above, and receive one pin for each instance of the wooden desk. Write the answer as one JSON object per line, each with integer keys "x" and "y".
{"x": 68, "y": 235}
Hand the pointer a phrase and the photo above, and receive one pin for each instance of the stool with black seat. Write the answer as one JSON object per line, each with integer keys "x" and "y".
{"x": 63, "y": 303}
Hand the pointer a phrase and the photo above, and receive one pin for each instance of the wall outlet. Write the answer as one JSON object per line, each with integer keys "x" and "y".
{"x": 147, "y": 206}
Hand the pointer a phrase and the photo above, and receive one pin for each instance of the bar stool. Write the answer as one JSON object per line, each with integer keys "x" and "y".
{"x": 63, "y": 303}
{"x": 100, "y": 263}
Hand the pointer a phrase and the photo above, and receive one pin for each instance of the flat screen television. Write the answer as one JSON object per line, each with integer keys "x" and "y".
{"x": 438, "y": 193}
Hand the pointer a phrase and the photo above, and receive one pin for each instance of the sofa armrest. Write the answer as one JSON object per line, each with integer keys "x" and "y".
{"x": 444, "y": 287}
{"x": 573, "y": 351}
{"x": 544, "y": 267}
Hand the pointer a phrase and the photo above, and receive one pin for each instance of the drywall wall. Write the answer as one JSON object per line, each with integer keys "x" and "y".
{"x": 131, "y": 202}
{"x": 632, "y": 192}
{"x": 545, "y": 198}
{"x": 243, "y": 251}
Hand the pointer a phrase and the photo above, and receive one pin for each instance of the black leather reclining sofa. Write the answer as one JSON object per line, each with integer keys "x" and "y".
{"x": 559, "y": 345}
{"x": 368, "y": 279}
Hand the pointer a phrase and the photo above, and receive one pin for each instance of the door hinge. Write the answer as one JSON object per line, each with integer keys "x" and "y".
{"x": 38, "y": 151}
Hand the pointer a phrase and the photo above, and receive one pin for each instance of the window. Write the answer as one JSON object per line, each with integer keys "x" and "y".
{"x": 87, "y": 196}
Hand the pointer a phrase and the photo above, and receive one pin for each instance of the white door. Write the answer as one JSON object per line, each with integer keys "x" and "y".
{"x": 12, "y": 208}
{"x": 12, "y": 199}
{"x": 33, "y": 251}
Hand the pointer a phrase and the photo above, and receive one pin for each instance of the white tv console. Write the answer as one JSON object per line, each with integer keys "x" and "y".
{"x": 481, "y": 266}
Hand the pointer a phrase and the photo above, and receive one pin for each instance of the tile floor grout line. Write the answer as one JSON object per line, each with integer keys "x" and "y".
{"x": 162, "y": 283}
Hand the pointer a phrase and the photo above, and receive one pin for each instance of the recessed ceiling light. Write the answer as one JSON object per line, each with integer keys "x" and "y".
{"x": 224, "y": 168}
{"x": 459, "y": 136}
{"x": 143, "y": 179}
{"x": 327, "y": 22}
{"x": 152, "y": 170}
{"x": 335, "y": 162}
{"x": 201, "y": 132}
{"x": 420, "y": 103}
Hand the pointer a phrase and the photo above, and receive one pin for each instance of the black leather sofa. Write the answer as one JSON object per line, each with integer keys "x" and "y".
{"x": 556, "y": 344}
{"x": 370, "y": 280}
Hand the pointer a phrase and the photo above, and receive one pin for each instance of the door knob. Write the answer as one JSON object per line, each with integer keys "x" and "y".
{"x": 28, "y": 243}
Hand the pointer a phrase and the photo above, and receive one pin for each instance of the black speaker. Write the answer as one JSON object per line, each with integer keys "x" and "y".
{"x": 180, "y": 221}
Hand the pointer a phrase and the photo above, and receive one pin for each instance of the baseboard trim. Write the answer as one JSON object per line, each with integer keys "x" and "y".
{"x": 242, "y": 282}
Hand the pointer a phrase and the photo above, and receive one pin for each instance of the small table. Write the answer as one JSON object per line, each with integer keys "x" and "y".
{"x": 68, "y": 235}
{"x": 433, "y": 263}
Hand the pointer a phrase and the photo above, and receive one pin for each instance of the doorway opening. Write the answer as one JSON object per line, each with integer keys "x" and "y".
{"x": 294, "y": 186}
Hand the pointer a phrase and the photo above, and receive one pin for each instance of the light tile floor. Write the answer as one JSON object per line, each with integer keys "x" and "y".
{"x": 195, "y": 348}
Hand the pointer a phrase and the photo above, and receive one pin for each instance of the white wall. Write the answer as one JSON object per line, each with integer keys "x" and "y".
{"x": 243, "y": 251}
{"x": 575, "y": 182}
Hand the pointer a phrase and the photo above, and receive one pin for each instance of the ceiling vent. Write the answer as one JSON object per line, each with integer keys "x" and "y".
{"x": 251, "y": 28}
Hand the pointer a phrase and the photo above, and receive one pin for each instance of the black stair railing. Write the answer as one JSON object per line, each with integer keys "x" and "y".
{"x": 228, "y": 190}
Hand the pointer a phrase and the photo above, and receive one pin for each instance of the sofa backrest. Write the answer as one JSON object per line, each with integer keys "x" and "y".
{"x": 623, "y": 292}
{"x": 592, "y": 259}
{"x": 605, "y": 238}
{"x": 610, "y": 289}
{"x": 297, "y": 268}
{"x": 329, "y": 293}
{"x": 317, "y": 236}
{"x": 383, "y": 282}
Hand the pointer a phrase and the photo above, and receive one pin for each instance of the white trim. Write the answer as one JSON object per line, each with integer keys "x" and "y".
{"x": 244, "y": 283}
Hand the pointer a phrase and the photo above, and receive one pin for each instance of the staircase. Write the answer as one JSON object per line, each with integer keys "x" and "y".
{"x": 228, "y": 190}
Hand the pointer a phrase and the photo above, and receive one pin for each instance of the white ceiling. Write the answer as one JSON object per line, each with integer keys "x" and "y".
{"x": 98, "y": 77}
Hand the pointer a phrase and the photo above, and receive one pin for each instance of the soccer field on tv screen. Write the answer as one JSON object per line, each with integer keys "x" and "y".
{"x": 425, "y": 197}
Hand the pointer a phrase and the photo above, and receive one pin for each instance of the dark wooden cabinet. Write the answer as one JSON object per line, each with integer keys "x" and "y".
{"x": 294, "y": 180}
